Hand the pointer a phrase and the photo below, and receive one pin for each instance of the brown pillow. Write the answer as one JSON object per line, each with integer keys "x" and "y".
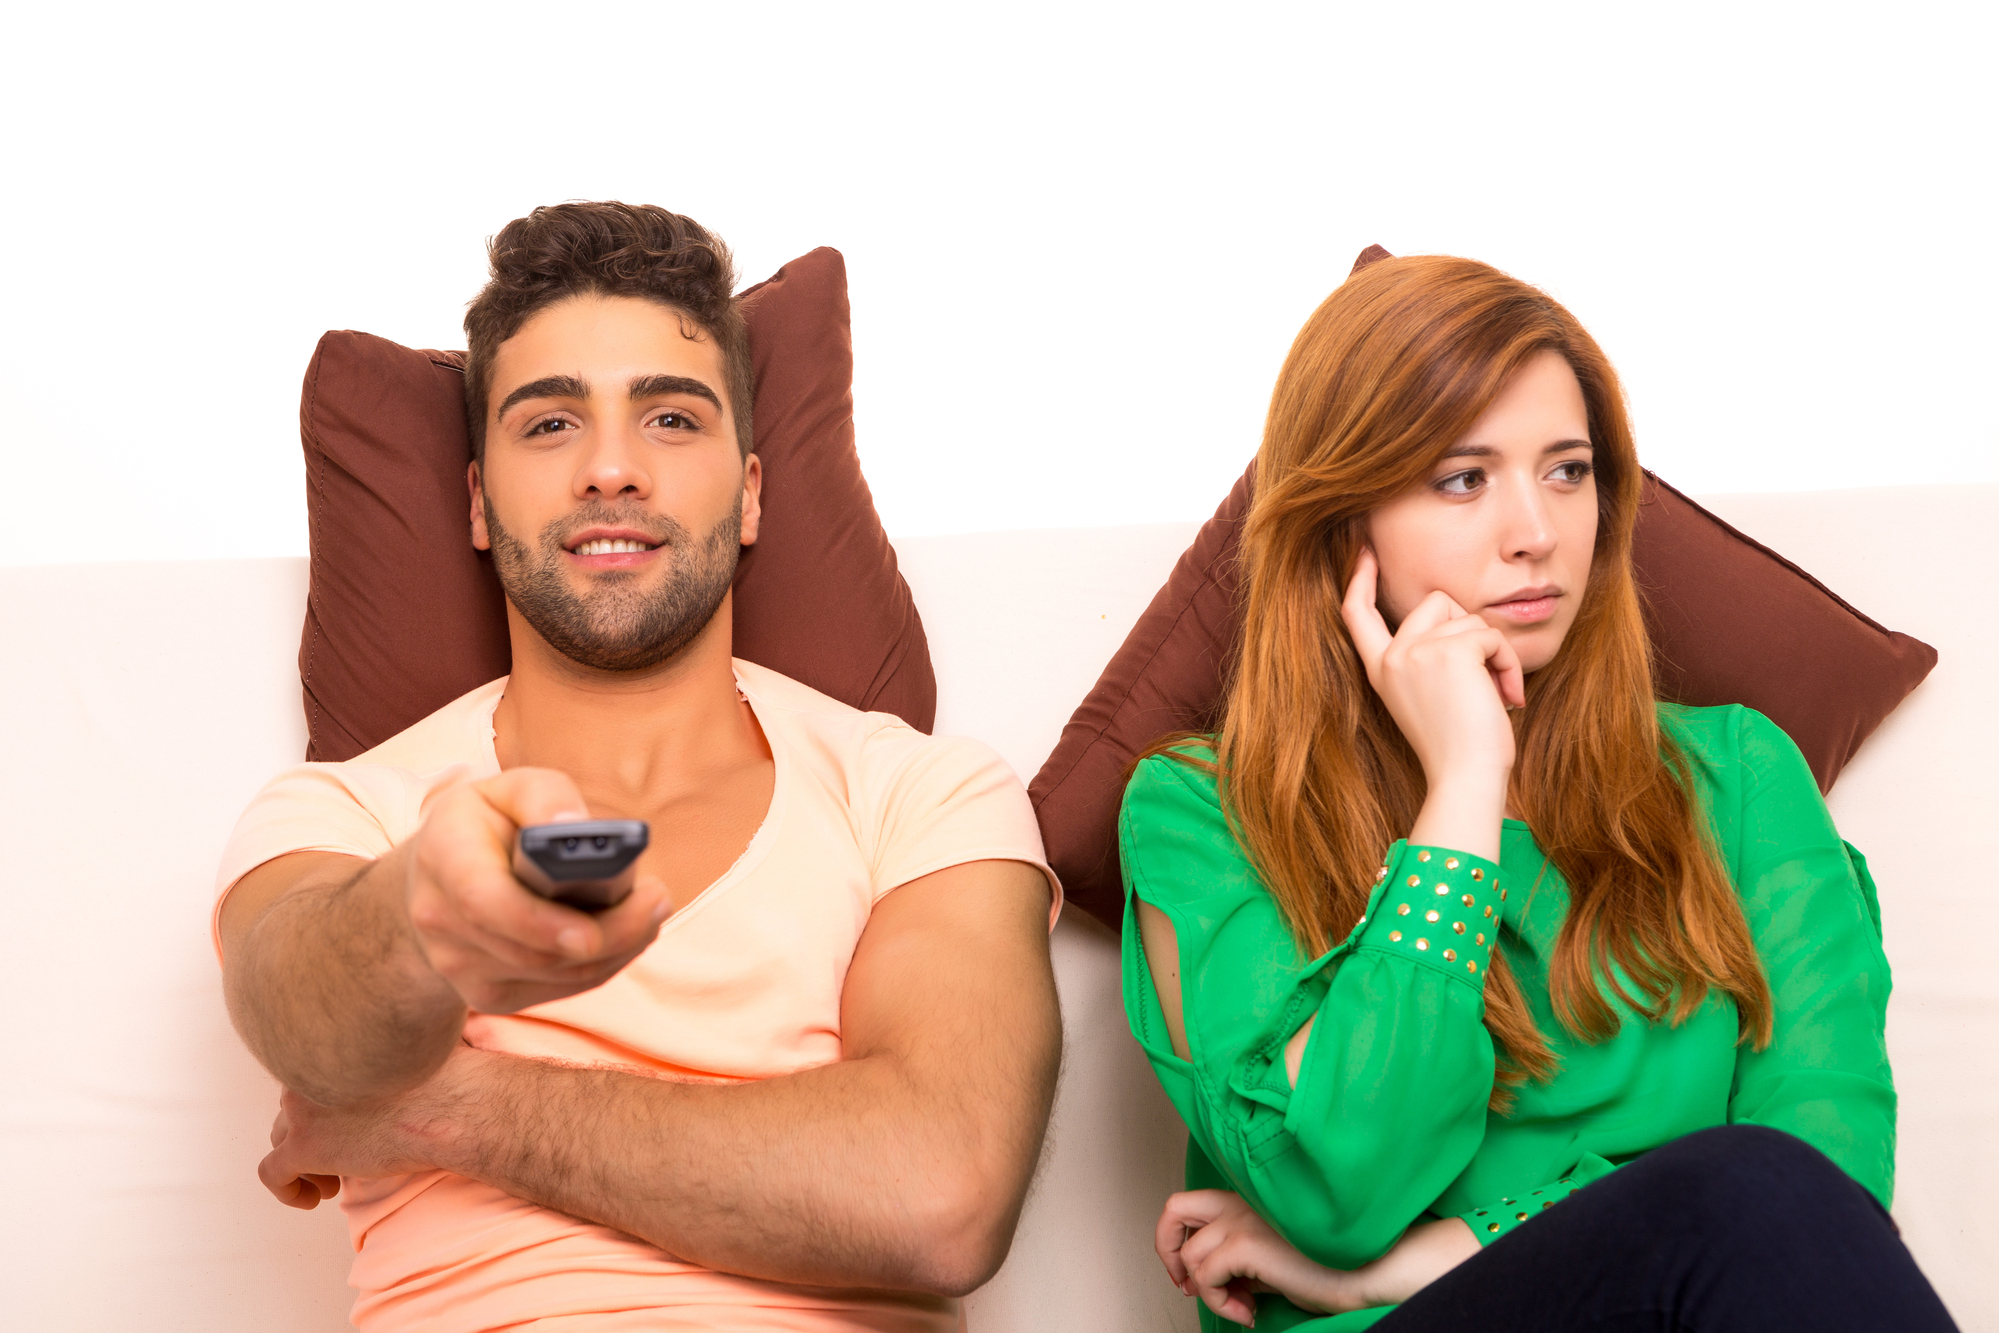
{"x": 1731, "y": 622}
{"x": 404, "y": 616}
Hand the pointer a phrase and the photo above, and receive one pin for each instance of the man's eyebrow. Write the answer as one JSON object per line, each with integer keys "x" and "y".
{"x": 652, "y": 386}
{"x": 1487, "y": 451}
{"x": 548, "y": 386}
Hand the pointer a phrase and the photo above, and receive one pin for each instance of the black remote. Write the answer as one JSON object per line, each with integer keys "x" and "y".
{"x": 585, "y": 865}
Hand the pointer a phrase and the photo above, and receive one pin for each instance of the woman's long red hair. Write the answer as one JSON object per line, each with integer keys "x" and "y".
{"x": 1317, "y": 779}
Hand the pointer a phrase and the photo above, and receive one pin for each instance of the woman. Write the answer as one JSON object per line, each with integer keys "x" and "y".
{"x": 1451, "y": 942}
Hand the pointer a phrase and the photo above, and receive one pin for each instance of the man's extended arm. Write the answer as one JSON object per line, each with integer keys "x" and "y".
{"x": 350, "y": 979}
{"x": 903, "y": 1165}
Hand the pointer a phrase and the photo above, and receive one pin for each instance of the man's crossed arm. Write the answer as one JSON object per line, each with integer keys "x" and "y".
{"x": 903, "y": 1165}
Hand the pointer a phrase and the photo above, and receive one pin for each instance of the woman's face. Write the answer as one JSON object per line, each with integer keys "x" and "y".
{"x": 1505, "y": 524}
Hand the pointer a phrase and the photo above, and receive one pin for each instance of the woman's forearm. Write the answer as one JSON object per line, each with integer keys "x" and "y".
{"x": 1463, "y": 814}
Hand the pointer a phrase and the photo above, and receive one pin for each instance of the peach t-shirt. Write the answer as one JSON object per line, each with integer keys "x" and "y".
{"x": 742, "y": 983}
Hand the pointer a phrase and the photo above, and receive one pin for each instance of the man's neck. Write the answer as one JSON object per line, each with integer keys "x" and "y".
{"x": 630, "y": 739}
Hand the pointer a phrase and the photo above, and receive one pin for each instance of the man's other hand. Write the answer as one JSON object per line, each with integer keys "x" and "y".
{"x": 501, "y": 946}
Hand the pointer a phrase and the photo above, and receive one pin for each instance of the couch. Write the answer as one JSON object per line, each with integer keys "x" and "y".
{"x": 141, "y": 705}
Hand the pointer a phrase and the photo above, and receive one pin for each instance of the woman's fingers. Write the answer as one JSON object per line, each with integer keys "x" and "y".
{"x": 1434, "y": 610}
{"x": 1504, "y": 663}
{"x": 1363, "y": 619}
{"x": 1184, "y": 1215}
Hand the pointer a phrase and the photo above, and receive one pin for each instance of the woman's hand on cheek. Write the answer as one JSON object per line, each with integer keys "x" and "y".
{"x": 1447, "y": 679}
{"x": 1216, "y": 1248}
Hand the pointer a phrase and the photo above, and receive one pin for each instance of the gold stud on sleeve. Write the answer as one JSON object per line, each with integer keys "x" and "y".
{"x": 1430, "y": 915}
{"x": 1443, "y": 889}
{"x": 1414, "y": 880}
{"x": 1451, "y": 863}
{"x": 1481, "y": 937}
{"x": 1422, "y": 944}
{"x": 1493, "y": 1226}
{"x": 1402, "y": 910}
{"x": 1488, "y": 911}
{"x": 1472, "y": 964}
{"x": 1422, "y": 856}
{"x": 1458, "y": 926}
{"x": 1476, "y": 873}
{"x": 1468, "y": 901}
{"x": 1394, "y": 936}
{"x": 1450, "y": 955}
{"x": 1523, "y": 1218}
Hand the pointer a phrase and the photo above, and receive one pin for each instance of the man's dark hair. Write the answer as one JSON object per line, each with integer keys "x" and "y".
{"x": 606, "y": 249}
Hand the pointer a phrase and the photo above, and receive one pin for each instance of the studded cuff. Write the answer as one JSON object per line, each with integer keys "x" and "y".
{"x": 1436, "y": 907}
{"x": 1492, "y": 1222}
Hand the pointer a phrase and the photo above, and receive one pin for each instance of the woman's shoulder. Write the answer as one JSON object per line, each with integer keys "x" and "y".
{"x": 1731, "y": 746}
{"x": 1724, "y": 732}
{"x": 1178, "y": 782}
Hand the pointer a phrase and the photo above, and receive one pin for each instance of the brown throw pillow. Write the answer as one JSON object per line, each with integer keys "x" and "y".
{"x": 1731, "y": 622}
{"x": 404, "y": 616}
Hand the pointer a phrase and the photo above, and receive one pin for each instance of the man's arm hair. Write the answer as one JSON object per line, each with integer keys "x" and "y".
{"x": 326, "y": 983}
{"x": 350, "y": 979}
{"x": 903, "y": 1165}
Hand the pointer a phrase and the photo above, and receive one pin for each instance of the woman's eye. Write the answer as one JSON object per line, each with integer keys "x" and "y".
{"x": 1572, "y": 471}
{"x": 1462, "y": 483}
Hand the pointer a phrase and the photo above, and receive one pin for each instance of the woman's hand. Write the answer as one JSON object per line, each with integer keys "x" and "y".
{"x": 1215, "y": 1247}
{"x": 1448, "y": 679}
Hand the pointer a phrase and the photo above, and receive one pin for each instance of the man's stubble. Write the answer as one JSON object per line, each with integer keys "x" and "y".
{"x": 621, "y": 626}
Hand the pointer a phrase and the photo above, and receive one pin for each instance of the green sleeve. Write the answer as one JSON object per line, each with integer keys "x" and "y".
{"x": 1499, "y": 1216}
{"x": 1390, "y": 1105}
{"x": 1811, "y": 908}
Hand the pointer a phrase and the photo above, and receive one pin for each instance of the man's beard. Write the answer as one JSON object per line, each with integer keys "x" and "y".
{"x": 619, "y": 626}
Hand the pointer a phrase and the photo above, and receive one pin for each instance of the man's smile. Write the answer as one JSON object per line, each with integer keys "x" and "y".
{"x": 611, "y": 548}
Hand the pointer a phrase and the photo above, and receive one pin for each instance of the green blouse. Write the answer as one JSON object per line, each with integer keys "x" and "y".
{"x": 1388, "y": 1124}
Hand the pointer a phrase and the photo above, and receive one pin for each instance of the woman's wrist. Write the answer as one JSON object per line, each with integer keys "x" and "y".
{"x": 1463, "y": 814}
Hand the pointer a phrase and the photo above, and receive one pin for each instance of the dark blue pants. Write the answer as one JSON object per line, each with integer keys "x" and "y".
{"x": 1737, "y": 1228}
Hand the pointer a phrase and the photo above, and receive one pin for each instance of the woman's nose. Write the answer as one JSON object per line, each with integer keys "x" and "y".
{"x": 1529, "y": 529}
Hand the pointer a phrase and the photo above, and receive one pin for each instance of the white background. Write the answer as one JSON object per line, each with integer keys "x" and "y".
{"x": 1080, "y": 238}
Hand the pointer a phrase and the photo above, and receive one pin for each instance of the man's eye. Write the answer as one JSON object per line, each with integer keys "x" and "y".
{"x": 1462, "y": 483}
{"x": 548, "y": 427}
{"x": 674, "y": 421}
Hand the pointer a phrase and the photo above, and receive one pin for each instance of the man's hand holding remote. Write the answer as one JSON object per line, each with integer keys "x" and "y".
{"x": 499, "y": 945}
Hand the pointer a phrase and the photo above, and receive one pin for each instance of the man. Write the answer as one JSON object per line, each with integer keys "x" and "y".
{"x": 798, "y": 1078}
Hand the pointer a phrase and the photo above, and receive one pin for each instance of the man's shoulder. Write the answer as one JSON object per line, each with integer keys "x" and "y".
{"x": 870, "y": 755}
{"x": 461, "y": 732}
{"x": 822, "y": 721}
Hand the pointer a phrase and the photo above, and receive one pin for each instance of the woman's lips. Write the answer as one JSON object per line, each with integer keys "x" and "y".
{"x": 1525, "y": 610}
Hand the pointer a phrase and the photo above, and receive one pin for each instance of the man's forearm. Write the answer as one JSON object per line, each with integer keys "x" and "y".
{"x": 853, "y": 1174}
{"x": 329, "y": 990}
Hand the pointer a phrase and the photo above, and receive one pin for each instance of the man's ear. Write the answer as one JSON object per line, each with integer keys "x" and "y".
{"x": 753, "y": 484}
{"x": 481, "y": 540}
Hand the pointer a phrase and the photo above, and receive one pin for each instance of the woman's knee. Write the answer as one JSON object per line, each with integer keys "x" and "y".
{"x": 1748, "y": 1176}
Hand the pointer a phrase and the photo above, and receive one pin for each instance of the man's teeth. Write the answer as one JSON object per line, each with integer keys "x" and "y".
{"x": 608, "y": 546}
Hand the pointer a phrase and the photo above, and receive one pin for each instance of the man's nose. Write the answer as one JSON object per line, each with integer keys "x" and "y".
{"x": 614, "y": 464}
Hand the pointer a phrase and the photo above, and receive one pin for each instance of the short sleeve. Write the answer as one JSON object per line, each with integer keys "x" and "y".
{"x": 352, "y": 809}
{"x": 933, "y": 802}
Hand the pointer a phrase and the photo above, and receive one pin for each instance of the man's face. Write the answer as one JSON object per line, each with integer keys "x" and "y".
{"x": 612, "y": 494}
